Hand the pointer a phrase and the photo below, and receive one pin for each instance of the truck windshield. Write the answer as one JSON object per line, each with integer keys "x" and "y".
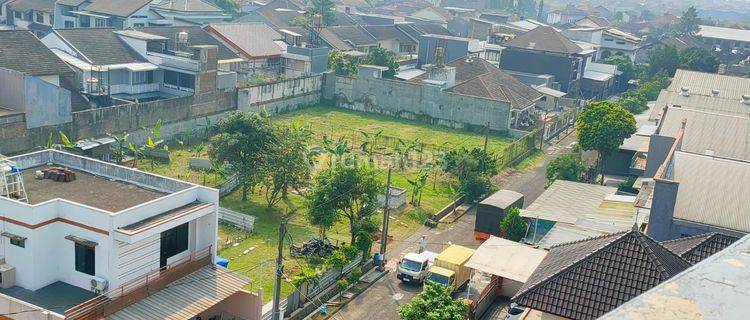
{"x": 442, "y": 280}
{"x": 411, "y": 265}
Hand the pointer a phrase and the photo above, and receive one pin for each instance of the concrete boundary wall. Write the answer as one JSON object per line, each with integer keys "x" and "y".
{"x": 282, "y": 96}
{"x": 416, "y": 101}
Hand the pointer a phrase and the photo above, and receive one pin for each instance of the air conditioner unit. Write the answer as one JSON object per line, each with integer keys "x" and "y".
{"x": 99, "y": 285}
{"x": 7, "y": 276}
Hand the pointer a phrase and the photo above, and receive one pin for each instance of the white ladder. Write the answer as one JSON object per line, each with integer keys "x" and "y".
{"x": 13, "y": 186}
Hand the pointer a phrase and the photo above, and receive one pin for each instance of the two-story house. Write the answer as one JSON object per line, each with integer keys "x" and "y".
{"x": 138, "y": 66}
{"x": 551, "y": 53}
{"x": 105, "y": 13}
{"x": 80, "y": 236}
{"x": 607, "y": 41}
{"x": 34, "y": 15}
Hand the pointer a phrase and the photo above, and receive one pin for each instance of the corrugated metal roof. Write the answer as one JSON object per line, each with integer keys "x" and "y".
{"x": 702, "y": 83}
{"x": 567, "y": 201}
{"x": 724, "y": 33}
{"x": 712, "y": 191}
{"x": 709, "y": 133}
{"x": 721, "y": 104}
{"x": 187, "y": 297}
{"x": 502, "y": 199}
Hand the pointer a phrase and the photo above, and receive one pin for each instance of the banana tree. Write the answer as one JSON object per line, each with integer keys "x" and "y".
{"x": 336, "y": 149}
{"x": 417, "y": 185}
{"x": 137, "y": 152}
{"x": 402, "y": 149}
{"x": 370, "y": 146}
{"x": 122, "y": 145}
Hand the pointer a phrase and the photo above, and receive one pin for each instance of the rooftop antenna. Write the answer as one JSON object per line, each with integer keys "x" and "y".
{"x": 12, "y": 180}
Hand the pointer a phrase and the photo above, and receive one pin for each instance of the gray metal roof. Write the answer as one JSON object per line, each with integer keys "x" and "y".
{"x": 724, "y": 33}
{"x": 502, "y": 199}
{"x": 721, "y": 104}
{"x": 197, "y": 6}
{"x": 709, "y": 133}
{"x": 716, "y": 288}
{"x": 567, "y": 201}
{"x": 187, "y": 297}
{"x": 712, "y": 191}
{"x": 703, "y": 83}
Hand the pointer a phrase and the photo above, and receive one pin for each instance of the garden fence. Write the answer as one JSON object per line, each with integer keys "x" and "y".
{"x": 237, "y": 219}
{"x": 228, "y": 186}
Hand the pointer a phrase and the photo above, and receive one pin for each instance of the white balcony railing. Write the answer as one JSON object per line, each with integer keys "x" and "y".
{"x": 134, "y": 88}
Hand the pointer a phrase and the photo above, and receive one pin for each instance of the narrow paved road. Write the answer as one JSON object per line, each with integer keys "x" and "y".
{"x": 381, "y": 301}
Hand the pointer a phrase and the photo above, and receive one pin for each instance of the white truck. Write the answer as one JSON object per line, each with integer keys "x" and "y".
{"x": 413, "y": 267}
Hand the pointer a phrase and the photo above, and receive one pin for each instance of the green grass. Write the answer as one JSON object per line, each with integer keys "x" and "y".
{"x": 258, "y": 263}
{"x": 531, "y": 160}
{"x": 336, "y": 122}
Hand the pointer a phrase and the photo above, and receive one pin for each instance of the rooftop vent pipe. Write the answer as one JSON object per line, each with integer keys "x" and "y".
{"x": 685, "y": 92}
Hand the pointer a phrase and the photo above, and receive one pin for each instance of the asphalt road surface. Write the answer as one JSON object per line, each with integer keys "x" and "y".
{"x": 385, "y": 296}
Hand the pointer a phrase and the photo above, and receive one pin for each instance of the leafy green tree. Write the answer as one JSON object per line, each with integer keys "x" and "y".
{"x": 245, "y": 142}
{"x": 665, "y": 58}
{"x": 229, "y": 6}
{"x": 122, "y": 145}
{"x": 324, "y": 8}
{"x": 371, "y": 144}
{"x": 698, "y": 59}
{"x": 634, "y": 102}
{"x": 689, "y": 22}
{"x": 474, "y": 186}
{"x": 288, "y": 166}
{"x": 513, "y": 226}
{"x": 603, "y": 126}
{"x": 650, "y": 89}
{"x": 341, "y": 64}
{"x": 384, "y": 58}
{"x": 568, "y": 167}
{"x": 350, "y": 192}
{"x": 434, "y": 303}
{"x": 402, "y": 150}
{"x": 624, "y": 65}
{"x": 417, "y": 185}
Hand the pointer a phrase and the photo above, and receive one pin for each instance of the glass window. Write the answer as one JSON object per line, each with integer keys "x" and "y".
{"x": 139, "y": 25}
{"x": 70, "y": 24}
{"x": 171, "y": 77}
{"x": 18, "y": 242}
{"x": 411, "y": 265}
{"x": 17, "y": 14}
{"x": 442, "y": 280}
{"x": 187, "y": 80}
{"x": 142, "y": 77}
{"x": 85, "y": 259}
{"x": 99, "y": 23}
{"x": 39, "y": 17}
{"x": 174, "y": 241}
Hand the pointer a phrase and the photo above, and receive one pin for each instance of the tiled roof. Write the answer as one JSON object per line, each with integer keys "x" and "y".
{"x": 100, "y": 45}
{"x": 414, "y": 30}
{"x": 544, "y": 38}
{"x": 116, "y": 7}
{"x": 253, "y": 39}
{"x": 477, "y": 77}
{"x": 25, "y": 48}
{"x": 196, "y": 37}
{"x": 280, "y": 13}
{"x": 186, "y": 6}
{"x": 352, "y": 35}
{"x": 389, "y": 33}
{"x": 588, "y": 278}
{"x": 696, "y": 248}
{"x": 36, "y": 5}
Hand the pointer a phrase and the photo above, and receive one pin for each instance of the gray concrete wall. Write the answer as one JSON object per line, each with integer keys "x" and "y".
{"x": 658, "y": 149}
{"x": 416, "y": 101}
{"x": 281, "y": 96}
{"x": 12, "y": 90}
{"x": 46, "y": 104}
{"x": 662, "y": 211}
{"x": 178, "y": 114}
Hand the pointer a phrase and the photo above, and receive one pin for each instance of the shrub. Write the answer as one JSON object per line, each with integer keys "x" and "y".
{"x": 354, "y": 275}
{"x": 474, "y": 186}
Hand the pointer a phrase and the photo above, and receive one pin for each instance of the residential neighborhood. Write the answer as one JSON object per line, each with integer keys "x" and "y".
{"x": 377, "y": 159}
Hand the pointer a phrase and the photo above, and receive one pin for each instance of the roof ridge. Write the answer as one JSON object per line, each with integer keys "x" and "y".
{"x": 643, "y": 241}
{"x": 617, "y": 237}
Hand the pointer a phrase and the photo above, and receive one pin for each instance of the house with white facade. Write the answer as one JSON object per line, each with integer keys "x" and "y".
{"x": 138, "y": 66}
{"x": 34, "y": 15}
{"x": 607, "y": 41}
{"x": 105, "y": 13}
{"x": 81, "y": 238}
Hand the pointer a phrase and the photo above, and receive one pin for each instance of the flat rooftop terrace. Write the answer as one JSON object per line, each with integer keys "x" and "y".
{"x": 56, "y": 297}
{"x": 88, "y": 189}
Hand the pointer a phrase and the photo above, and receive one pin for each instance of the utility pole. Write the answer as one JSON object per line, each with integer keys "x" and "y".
{"x": 277, "y": 313}
{"x": 486, "y": 139}
{"x": 384, "y": 234}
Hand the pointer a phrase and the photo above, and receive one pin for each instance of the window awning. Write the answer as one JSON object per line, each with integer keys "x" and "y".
{"x": 13, "y": 236}
{"x": 82, "y": 241}
{"x": 136, "y": 67}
